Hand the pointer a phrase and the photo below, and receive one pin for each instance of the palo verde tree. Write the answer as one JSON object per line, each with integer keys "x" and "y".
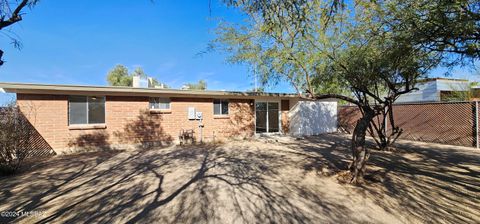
{"x": 350, "y": 52}
{"x": 451, "y": 28}
{"x": 11, "y": 12}
{"x": 448, "y": 29}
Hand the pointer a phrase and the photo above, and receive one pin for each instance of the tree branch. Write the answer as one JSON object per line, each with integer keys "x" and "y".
{"x": 15, "y": 17}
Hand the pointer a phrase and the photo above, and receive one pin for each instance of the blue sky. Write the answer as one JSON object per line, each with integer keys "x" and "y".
{"x": 78, "y": 42}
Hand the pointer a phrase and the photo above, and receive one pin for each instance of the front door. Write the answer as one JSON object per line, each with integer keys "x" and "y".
{"x": 267, "y": 117}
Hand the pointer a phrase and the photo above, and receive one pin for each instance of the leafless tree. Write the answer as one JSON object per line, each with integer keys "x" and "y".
{"x": 16, "y": 134}
{"x": 11, "y": 12}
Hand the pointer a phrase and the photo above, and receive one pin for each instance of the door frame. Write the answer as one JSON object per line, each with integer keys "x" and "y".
{"x": 279, "y": 115}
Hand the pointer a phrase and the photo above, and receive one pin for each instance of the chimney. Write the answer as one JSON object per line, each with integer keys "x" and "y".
{"x": 140, "y": 81}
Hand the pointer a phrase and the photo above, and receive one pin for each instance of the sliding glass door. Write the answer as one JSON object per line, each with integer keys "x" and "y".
{"x": 267, "y": 117}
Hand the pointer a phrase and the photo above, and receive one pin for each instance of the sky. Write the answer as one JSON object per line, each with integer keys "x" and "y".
{"x": 78, "y": 42}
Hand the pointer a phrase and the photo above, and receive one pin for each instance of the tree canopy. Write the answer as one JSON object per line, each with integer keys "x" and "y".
{"x": 449, "y": 27}
{"x": 119, "y": 76}
{"x": 365, "y": 52}
{"x": 200, "y": 85}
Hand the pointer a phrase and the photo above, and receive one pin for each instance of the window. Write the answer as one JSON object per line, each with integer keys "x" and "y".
{"x": 220, "y": 107}
{"x": 160, "y": 103}
{"x": 86, "y": 110}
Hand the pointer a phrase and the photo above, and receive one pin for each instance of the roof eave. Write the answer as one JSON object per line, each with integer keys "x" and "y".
{"x": 129, "y": 91}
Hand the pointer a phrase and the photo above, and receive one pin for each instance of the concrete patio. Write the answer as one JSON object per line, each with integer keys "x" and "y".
{"x": 268, "y": 180}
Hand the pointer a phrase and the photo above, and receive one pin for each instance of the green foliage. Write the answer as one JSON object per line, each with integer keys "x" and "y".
{"x": 373, "y": 50}
{"x": 449, "y": 27}
{"x": 260, "y": 89}
{"x": 309, "y": 43}
{"x": 156, "y": 83}
{"x": 275, "y": 49}
{"x": 460, "y": 93}
{"x": 347, "y": 52}
{"x": 119, "y": 76}
{"x": 200, "y": 85}
{"x": 139, "y": 72}
{"x": 322, "y": 51}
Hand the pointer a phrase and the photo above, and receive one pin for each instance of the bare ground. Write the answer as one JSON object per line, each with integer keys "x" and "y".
{"x": 278, "y": 180}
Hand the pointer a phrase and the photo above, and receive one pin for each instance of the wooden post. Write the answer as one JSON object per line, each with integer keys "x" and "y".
{"x": 476, "y": 124}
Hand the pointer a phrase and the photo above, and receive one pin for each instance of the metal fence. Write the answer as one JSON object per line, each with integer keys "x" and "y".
{"x": 453, "y": 123}
{"x": 11, "y": 118}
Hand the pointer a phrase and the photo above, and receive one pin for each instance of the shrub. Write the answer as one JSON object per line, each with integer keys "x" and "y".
{"x": 15, "y": 137}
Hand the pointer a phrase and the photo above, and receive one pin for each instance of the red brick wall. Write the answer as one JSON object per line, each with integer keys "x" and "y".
{"x": 128, "y": 120}
{"x": 285, "y": 108}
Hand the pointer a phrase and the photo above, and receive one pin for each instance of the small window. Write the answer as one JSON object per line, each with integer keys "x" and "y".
{"x": 160, "y": 103}
{"x": 220, "y": 107}
{"x": 86, "y": 110}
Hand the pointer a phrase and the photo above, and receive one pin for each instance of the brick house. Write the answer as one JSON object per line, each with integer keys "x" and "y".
{"x": 68, "y": 116}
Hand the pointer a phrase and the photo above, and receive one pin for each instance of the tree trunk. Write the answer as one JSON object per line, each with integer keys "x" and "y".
{"x": 359, "y": 151}
{"x": 378, "y": 130}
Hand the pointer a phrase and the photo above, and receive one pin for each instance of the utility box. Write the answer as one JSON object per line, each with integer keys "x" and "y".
{"x": 199, "y": 115}
{"x": 191, "y": 113}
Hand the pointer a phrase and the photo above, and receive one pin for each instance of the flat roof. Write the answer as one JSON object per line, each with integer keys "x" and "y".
{"x": 30, "y": 88}
{"x": 444, "y": 79}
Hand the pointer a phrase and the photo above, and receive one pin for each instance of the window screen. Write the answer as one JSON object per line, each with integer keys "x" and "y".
{"x": 220, "y": 107}
{"x": 96, "y": 110}
{"x": 160, "y": 103}
{"x": 78, "y": 110}
{"x": 86, "y": 110}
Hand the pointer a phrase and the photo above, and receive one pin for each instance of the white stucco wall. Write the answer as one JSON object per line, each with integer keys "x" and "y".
{"x": 313, "y": 117}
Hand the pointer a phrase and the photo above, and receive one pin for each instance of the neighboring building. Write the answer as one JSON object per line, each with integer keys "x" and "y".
{"x": 185, "y": 87}
{"x": 146, "y": 82}
{"x": 475, "y": 93}
{"x": 436, "y": 89}
{"x": 71, "y": 117}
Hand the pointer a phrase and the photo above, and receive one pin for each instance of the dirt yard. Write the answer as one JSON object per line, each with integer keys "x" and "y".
{"x": 271, "y": 180}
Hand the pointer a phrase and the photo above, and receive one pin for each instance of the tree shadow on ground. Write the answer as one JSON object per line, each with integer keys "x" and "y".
{"x": 35, "y": 148}
{"x": 248, "y": 182}
{"x": 430, "y": 182}
{"x": 178, "y": 184}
